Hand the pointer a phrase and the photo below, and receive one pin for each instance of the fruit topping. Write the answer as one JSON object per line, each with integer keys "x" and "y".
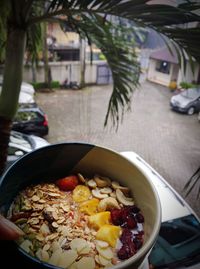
{"x": 109, "y": 233}
{"x": 98, "y": 220}
{"x": 81, "y": 193}
{"x": 67, "y": 183}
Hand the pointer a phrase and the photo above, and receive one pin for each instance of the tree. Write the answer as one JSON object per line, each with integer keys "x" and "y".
{"x": 21, "y": 19}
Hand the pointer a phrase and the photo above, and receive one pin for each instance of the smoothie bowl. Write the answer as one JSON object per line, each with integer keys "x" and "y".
{"x": 80, "y": 206}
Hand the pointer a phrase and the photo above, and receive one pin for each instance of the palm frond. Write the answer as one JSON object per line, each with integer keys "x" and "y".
{"x": 192, "y": 182}
{"x": 120, "y": 56}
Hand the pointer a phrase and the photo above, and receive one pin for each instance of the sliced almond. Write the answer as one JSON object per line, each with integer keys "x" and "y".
{"x": 78, "y": 244}
{"x": 105, "y": 252}
{"x": 103, "y": 261}
{"x": 102, "y": 244}
{"x": 52, "y": 236}
{"x": 54, "y": 259}
{"x": 35, "y": 198}
{"x": 44, "y": 229}
{"x": 81, "y": 178}
{"x": 55, "y": 225}
{"x": 67, "y": 258}
{"x": 86, "y": 262}
{"x": 25, "y": 245}
{"x": 44, "y": 255}
{"x": 91, "y": 183}
{"x": 85, "y": 250}
{"x": 46, "y": 247}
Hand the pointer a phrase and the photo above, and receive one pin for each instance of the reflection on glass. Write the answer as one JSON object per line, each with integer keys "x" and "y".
{"x": 178, "y": 243}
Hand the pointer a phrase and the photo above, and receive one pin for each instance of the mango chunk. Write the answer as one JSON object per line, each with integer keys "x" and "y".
{"x": 98, "y": 220}
{"x": 109, "y": 233}
{"x": 89, "y": 207}
{"x": 81, "y": 193}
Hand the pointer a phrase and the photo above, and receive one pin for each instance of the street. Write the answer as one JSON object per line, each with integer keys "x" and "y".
{"x": 168, "y": 141}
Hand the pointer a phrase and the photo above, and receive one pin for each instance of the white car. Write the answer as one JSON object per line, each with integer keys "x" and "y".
{"x": 26, "y": 98}
{"x": 178, "y": 243}
{"x": 20, "y": 144}
{"x": 26, "y": 94}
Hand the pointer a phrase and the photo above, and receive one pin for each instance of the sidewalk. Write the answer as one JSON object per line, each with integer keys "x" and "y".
{"x": 168, "y": 141}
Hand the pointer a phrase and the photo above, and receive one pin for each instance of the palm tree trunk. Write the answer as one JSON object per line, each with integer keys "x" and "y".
{"x": 47, "y": 70}
{"x": 5, "y": 128}
{"x": 11, "y": 86}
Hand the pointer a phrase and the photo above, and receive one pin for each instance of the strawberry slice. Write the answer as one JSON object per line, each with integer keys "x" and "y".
{"x": 67, "y": 183}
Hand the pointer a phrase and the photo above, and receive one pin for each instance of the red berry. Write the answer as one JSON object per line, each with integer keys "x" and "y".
{"x": 126, "y": 251}
{"x": 67, "y": 183}
{"x": 139, "y": 218}
{"x": 116, "y": 216}
{"x": 126, "y": 236}
{"x": 131, "y": 223}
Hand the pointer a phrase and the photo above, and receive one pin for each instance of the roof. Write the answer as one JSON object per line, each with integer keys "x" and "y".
{"x": 153, "y": 40}
{"x": 164, "y": 54}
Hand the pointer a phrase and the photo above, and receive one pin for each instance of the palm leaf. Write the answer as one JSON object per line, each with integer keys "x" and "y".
{"x": 120, "y": 56}
{"x": 192, "y": 182}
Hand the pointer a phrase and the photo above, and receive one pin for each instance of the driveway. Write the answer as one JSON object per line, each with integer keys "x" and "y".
{"x": 167, "y": 140}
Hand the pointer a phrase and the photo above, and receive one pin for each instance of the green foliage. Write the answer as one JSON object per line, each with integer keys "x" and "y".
{"x": 187, "y": 85}
{"x": 42, "y": 85}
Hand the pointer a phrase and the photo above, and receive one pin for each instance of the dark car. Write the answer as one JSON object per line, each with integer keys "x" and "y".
{"x": 31, "y": 119}
{"x": 188, "y": 101}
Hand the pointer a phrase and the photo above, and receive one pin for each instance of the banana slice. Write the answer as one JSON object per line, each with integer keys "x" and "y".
{"x": 81, "y": 193}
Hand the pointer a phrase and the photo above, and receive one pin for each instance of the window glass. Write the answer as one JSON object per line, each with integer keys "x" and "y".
{"x": 163, "y": 67}
{"x": 175, "y": 234}
{"x": 178, "y": 244}
{"x": 191, "y": 93}
{"x": 25, "y": 116}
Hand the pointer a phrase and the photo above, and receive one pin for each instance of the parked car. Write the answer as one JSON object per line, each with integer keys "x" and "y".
{"x": 31, "y": 119}
{"x": 26, "y": 94}
{"x": 178, "y": 242}
{"x": 188, "y": 101}
{"x": 198, "y": 117}
{"x": 21, "y": 144}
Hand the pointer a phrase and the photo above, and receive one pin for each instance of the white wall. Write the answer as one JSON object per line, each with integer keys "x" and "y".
{"x": 164, "y": 79}
{"x": 158, "y": 77}
{"x": 188, "y": 76}
{"x": 61, "y": 71}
